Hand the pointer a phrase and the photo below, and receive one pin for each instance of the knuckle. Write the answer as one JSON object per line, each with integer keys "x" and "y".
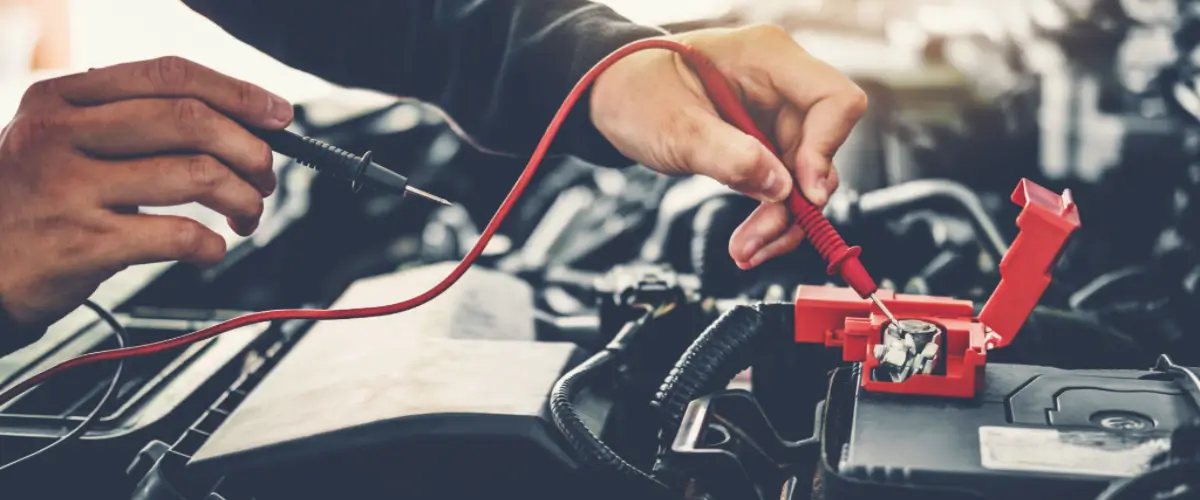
{"x": 28, "y": 131}
{"x": 743, "y": 166}
{"x": 257, "y": 206}
{"x": 768, "y": 32}
{"x": 190, "y": 116}
{"x": 245, "y": 202}
{"x": 264, "y": 162}
{"x": 187, "y": 238}
{"x": 40, "y": 90}
{"x": 170, "y": 72}
{"x": 249, "y": 97}
{"x": 856, "y": 101}
{"x": 205, "y": 172}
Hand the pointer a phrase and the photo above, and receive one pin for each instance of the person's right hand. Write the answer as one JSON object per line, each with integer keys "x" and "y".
{"x": 84, "y": 151}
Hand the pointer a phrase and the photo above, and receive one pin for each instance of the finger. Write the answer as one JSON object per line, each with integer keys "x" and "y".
{"x": 163, "y": 238}
{"x": 831, "y": 105}
{"x": 792, "y": 237}
{"x": 802, "y": 79}
{"x": 177, "y": 180}
{"x": 143, "y": 127}
{"x": 785, "y": 243}
{"x": 711, "y": 147}
{"x": 763, "y": 226}
{"x": 825, "y": 128}
{"x": 177, "y": 77}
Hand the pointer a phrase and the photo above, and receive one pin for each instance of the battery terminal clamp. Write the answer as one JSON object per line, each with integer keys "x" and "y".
{"x": 837, "y": 317}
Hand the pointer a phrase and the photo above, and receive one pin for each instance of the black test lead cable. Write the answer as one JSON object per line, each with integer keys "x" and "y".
{"x": 359, "y": 170}
{"x": 122, "y": 337}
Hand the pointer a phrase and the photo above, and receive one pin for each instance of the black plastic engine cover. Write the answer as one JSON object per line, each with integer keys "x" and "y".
{"x": 403, "y": 406}
{"x": 1033, "y": 432}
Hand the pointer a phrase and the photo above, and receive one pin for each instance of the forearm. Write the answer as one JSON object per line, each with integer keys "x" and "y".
{"x": 500, "y": 68}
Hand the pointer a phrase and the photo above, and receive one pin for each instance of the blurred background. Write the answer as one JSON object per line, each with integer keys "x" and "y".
{"x": 967, "y": 97}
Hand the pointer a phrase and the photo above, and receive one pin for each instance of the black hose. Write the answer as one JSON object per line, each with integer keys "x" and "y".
{"x": 909, "y": 195}
{"x": 715, "y": 221}
{"x": 1157, "y": 482}
{"x": 562, "y": 409}
{"x": 722, "y": 351}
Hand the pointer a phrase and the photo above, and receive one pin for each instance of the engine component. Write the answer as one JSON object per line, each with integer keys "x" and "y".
{"x": 920, "y": 194}
{"x": 730, "y": 448}
{"x": 1087, "y": 427}
{"x": 342, "y": 404}
{"x": 831, "y": 316}
{"x": 709, "y": 364}
{"x": 909, "y": 348}
{"x": 571, "y": 423}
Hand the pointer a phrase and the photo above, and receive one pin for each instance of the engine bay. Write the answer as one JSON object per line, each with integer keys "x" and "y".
{"x": 605, "y": 344}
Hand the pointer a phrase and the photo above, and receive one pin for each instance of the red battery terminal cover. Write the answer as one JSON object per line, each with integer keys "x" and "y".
{"x": 838, "y": 317}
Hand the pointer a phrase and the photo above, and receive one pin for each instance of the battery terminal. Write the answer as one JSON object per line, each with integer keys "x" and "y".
{"x": 909, "y": 347}
{"x": 900, "y": 357}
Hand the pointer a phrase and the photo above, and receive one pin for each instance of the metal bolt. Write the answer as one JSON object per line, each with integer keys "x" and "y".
{"x": 1122, "y": 423}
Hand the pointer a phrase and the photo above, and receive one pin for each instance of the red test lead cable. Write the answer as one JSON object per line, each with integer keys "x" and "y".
{"x": 842, "y": 259}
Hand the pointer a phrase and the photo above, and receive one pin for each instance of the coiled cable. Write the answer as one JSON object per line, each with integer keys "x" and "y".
{"x": 723, "y": 350}
{"x": 568, "y": 420}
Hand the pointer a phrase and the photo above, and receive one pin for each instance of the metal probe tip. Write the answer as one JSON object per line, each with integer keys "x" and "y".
{"x": 427, "y": 196}
{"x": 883, "y": 309}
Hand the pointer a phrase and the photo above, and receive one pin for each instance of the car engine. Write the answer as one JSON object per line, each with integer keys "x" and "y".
{"x": 1033, "y": 221}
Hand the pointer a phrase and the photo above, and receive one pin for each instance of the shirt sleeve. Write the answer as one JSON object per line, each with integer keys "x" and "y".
{"x": 499, "y": 68}
{"x": 14, "y": 336}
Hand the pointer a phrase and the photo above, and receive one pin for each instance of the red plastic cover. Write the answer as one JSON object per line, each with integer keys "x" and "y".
{"x": 1046, "y": 222}
{"x": 838, "y": 317}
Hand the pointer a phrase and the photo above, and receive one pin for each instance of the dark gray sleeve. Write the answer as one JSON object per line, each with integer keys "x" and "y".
{"x": 14, "y": 336}
{"x": 500, "y": 68}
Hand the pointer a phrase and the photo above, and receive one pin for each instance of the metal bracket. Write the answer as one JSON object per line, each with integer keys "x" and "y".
{"x": 731, "y": 450}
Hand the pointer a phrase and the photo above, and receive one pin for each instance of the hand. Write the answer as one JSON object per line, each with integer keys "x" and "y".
{"x": 655, "y": 111}
{"x": 86, "y": 150}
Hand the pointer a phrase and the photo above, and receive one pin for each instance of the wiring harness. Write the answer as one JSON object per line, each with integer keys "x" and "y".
{"x": 842, "y": 259}
{"x": 122, "y": 338}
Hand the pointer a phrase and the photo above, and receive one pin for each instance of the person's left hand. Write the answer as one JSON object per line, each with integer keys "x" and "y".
{"x": 655, "y": 111}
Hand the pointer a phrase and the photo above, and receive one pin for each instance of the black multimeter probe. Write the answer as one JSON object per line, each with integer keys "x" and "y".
{"x": 359, "y": 170}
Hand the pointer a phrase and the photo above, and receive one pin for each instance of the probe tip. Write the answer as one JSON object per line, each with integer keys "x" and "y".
{"x": 427, "y": 196}
{"x": 883, "y": 308}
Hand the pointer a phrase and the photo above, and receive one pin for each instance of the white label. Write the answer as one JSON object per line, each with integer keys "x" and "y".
{"x": 1080, "y": 452}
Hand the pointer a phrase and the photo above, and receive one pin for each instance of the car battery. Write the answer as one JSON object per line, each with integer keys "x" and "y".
{"x": 1031, "y": 432}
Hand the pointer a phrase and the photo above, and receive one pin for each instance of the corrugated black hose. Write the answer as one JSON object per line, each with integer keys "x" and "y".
{"x": 562, "y": 409}
{"x": 723, "y": 350}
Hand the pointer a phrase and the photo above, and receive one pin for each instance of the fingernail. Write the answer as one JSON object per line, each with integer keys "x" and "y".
{"x": 267, "y": 185}
{"x": 775, "y": 187}
{"x": 243, "y": 227}
{"x": 280, "y": 110}
{"x": 752, "y": 247}
{"x": 821, "y": 191}
{"x": 758, "y": 258}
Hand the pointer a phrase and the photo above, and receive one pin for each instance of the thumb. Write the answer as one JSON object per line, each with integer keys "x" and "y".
{"x": 718, "y": 150}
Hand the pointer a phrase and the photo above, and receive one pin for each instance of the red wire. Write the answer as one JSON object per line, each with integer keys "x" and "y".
{"x": 365, "y": 312}
{"x": 842, "y": 259}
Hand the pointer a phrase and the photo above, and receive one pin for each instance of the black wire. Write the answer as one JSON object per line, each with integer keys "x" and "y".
{"x": 122, "y": 340}
{"x": 571, "y": 424}
{"x": 1155, "y": 481}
